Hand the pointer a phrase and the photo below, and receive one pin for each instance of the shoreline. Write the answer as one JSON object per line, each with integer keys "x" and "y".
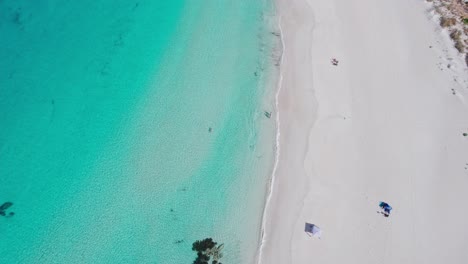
{"x": 271, "y": 180}
{"x": 287, "y": 111}
{"x": 329, "y": 121}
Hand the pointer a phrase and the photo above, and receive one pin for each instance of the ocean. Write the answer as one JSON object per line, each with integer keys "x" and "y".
{"x": 130, "y": 129}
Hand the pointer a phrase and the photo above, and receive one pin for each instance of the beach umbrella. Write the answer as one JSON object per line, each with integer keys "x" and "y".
{"x": 385, "y": 205}
{"x": 313, "y": 230}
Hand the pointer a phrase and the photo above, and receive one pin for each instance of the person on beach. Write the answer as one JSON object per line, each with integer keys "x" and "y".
{"x": 334, "y": 62}
{"x": 386, "y": 208}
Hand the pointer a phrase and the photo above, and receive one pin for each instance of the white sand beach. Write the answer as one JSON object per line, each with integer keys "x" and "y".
{"x": 385, "y": 124}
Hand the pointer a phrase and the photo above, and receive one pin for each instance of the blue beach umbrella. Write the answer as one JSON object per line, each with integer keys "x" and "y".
{"x": 385, "y": 206}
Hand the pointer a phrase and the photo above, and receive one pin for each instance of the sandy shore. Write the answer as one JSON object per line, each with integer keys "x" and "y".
{"x": 386, "y": 124}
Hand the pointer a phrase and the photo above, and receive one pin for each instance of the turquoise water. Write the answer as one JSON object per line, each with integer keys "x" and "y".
{"x": 131, "y": 129}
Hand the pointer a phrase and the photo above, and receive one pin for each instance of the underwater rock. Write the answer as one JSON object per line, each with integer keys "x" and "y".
{"x": 4, "y": 207}
{"x": 207, "y": 249}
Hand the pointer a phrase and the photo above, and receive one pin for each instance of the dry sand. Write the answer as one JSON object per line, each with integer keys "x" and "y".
{"x": 386, "y": 124}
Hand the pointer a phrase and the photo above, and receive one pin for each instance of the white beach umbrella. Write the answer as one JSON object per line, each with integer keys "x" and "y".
{"x": 313, "y": 229}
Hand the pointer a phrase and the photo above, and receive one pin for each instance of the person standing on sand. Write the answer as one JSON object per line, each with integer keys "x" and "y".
{"x": 334, "y": 62}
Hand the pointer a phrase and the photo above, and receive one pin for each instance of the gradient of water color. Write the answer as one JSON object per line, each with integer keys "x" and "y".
{"x": 131, "y": 129}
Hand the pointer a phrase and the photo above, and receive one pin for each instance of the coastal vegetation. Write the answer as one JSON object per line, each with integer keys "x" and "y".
{"x": 447, "y": 22}
{"x": 456, "y": 36}
{"x": 454, "y": 18}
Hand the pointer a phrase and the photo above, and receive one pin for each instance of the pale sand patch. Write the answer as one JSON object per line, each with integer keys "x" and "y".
{"x": 386, "y": 124}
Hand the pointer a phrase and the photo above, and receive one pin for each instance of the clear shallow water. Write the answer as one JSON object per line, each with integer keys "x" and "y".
{"x": 105, "y": 147}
